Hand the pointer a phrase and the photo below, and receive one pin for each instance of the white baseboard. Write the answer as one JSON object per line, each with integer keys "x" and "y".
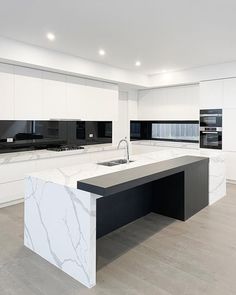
{"x": 10, "y": 203}
{"x": 231, "y": 181}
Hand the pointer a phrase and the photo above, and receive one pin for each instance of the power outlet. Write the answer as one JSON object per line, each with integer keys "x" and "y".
{"x": 91, "y": 135}
{"x": 10, "y": 139}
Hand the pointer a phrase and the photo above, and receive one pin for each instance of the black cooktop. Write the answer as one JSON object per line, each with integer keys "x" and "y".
{"x": 66, "y": 147}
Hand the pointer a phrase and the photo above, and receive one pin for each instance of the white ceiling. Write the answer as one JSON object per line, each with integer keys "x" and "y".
{"x": 162, "y": 34}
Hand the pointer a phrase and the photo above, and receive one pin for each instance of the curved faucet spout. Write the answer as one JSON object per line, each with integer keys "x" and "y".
{"x": 127, "y": 147}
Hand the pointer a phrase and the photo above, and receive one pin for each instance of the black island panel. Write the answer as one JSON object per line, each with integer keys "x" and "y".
{"x": 177, "y": 188}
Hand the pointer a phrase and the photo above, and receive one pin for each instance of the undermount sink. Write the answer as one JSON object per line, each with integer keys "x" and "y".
{"x": 114, "y": 162}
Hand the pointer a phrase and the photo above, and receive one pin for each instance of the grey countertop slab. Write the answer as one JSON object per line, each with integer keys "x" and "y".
{"x": 115, "y": 182}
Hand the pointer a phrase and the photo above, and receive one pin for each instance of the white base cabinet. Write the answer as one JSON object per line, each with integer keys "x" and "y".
{"x": 12, "y": 174}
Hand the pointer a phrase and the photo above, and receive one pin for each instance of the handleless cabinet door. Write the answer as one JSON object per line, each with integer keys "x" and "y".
{"x": 230, "y": 93}
{"x": 54, "y": 96}
{"x": 211, "y": 94}
{"x": 102, "y": 101}
{"x": 229, "y": 138}
{"x": 6, "y": 92}
{"x": 28, "y": 94}
{"x": 91, "y": 100}
{"x": 76, "y": 99}
{"x": 230, "y": 162}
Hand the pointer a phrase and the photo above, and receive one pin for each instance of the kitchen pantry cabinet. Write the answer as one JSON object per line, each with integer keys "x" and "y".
{"x": 229, "y": 93}
{"x": 211, "y": 94}
{"x": 28, "y": 99}
{"x": 230, "y": 162}
{"x": 229, "y": 139}
{"x": 6, "y": 92}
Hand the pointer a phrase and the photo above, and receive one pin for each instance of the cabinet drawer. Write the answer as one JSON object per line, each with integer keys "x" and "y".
{"x": 11, "y": 191}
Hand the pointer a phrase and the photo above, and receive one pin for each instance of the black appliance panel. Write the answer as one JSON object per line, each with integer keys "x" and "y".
{"x": 211, "y": 118}
{"x": 211, "y": 138}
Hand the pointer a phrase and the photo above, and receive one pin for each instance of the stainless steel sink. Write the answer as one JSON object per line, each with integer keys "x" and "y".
{"x": 114, "y": 162}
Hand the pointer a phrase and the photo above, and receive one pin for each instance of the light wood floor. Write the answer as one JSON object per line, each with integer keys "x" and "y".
{"x": 154, "y": 255}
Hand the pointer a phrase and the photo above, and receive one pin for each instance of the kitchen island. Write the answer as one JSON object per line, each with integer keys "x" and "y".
{"x": 66, "y": 209}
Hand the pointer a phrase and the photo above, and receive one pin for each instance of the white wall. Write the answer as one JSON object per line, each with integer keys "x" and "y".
{"x": 127, "y": 110}
{"x": 194, "y": 75}
{"x": 171, "y": 103}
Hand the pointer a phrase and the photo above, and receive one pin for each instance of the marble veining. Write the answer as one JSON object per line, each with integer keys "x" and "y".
{"x": 7, "y": 158}
{"x": 166, "y": 144}
{"x": 60, "y": 226}
{"x": 60, "y": 220}
{"x": 70, "y": 175}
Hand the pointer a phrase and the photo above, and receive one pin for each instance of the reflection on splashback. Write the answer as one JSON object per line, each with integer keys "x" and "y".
{"x": 165, "y": 130}
{"x": 27, "y": 135}
{"x": 175, "y": 131}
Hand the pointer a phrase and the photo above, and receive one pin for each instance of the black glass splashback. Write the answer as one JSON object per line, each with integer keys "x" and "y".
{"x": 186, "y": 131}
{"x": 28, "y": 135}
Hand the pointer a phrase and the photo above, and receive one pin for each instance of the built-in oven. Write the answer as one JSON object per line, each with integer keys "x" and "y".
{"x": 211, "y": 118}
{"x": 211, "y": 129}
{"x": 211, "y": 137}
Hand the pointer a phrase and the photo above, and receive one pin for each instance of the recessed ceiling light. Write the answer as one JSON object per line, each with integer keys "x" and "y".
{"x": 51, "y": 36}
{"x": 138, "y": 63}
{"x": 102, "y": 52}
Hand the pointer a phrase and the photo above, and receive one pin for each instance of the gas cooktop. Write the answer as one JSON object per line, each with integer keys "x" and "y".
{"x": 67, "y": 147}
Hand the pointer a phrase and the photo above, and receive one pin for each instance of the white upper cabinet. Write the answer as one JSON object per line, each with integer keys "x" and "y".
{"x": 211, "y": 94}
{"x": 28, "y": 94}
{"x": 170, "y": 103}
{"x": 54, "y": 96}
{"x": 91, "y": 100}
{"x": 76, "y": 99}
{"x": 102, "y": 101}
{"x": 6, "y": 92}
{"x": 230, "y": 93}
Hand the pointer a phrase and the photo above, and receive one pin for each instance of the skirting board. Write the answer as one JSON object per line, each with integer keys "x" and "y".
{"x": 10, "y": 203}
{"x": 231, "y": 181}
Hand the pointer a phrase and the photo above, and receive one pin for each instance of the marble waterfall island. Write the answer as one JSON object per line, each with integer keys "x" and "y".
{"x": 67, "y": 209}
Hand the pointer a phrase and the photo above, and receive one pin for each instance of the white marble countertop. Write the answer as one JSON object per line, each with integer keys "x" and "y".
{"x": 6, "y": 158}
{"x": 71, "y": 174}
{"x": 175, "y": 144}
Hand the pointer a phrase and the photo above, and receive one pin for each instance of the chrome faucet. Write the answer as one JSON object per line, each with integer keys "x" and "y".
{"x": 127, "y": 148}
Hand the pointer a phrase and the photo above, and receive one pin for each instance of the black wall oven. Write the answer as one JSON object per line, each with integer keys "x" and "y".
{"x": 211, "y": 118}
{"x": 211, "y": 129}
{"x": 211, "y": 137}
